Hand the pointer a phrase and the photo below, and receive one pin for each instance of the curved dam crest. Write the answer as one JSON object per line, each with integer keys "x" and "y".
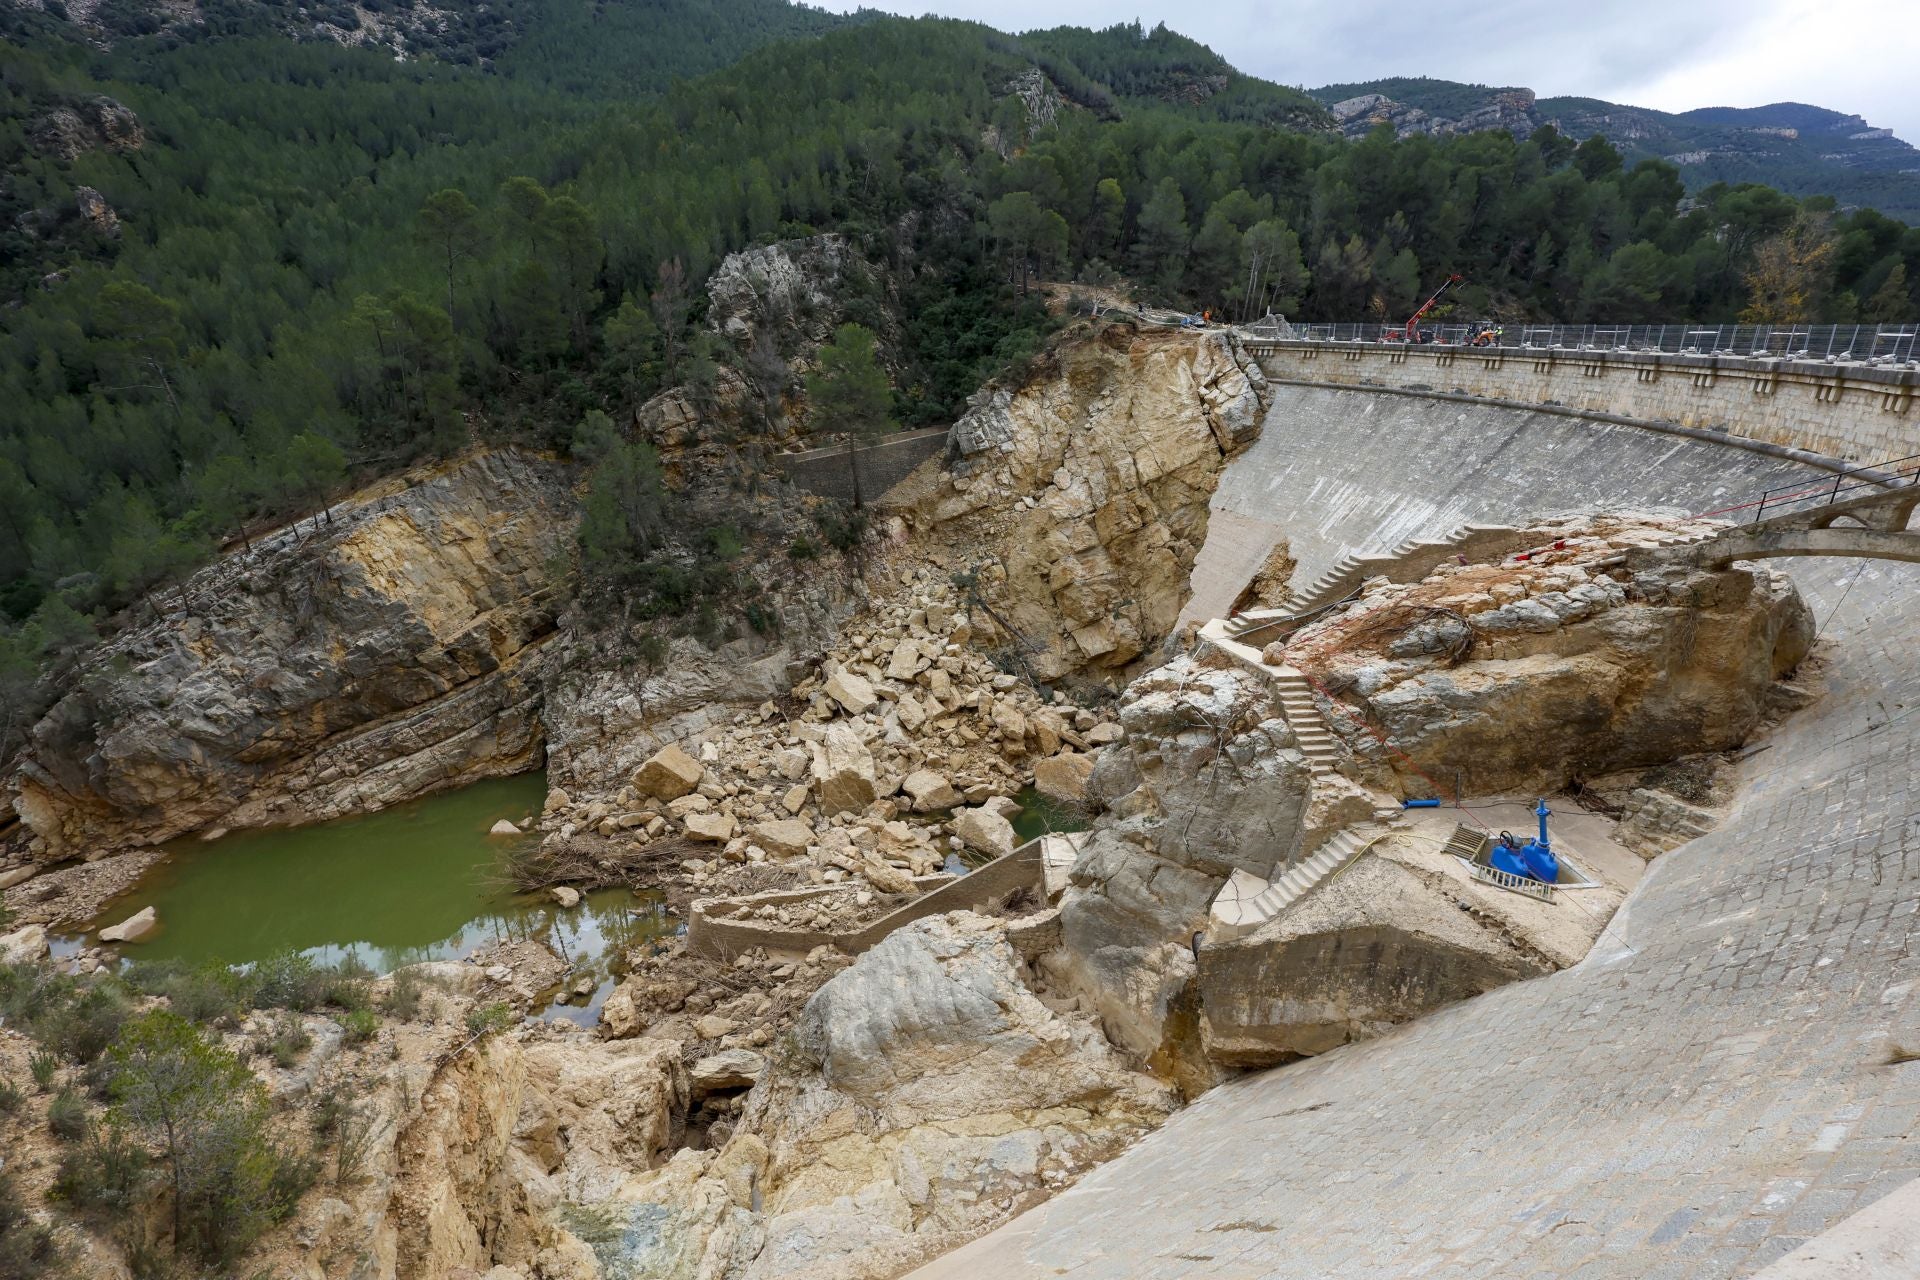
{"x": 1339, "y": 470}
{"x": 1709, "y": 1090}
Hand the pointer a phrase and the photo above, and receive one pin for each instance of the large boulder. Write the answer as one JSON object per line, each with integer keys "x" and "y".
{"x": 844, "y": 779}
{"x": 718, "y": 827}
{"x": 668, "y": 774}
{"x": 728, "y": 1069}
{"x": 1375, "y": 948}
{"x": 927, "y": 1092}
{"x": 929, "y": 791}
{"x": 854, "y": 693}
{"x": 984, "y": 831}
{"x": 133, "y": 928}
{"x": 1539, "y": 672}
{"x": 1206, "y": 781}
{"x": 23, "y": 945}
{"x": 1063, "y": 777}
{"x": 783, "y": 838}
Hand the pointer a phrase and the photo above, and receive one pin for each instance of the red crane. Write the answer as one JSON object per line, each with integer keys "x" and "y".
{"x": 1410, "y": 332}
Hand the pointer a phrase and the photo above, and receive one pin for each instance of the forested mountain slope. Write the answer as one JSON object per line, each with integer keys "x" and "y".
{"x": 1128, "y": 64}
{"x": 1800, "y": 149}
{"x": 239, "y": 267}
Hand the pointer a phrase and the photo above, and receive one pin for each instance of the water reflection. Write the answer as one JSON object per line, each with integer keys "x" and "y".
{"x": 420, "y": 881}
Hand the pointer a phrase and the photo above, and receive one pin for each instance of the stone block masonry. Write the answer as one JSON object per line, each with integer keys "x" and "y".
{"x": 1851, "y": 412}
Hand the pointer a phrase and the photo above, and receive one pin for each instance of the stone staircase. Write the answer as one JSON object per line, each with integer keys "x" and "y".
{"x": 1246, "y": 901}
{"x": 1408, "y": 562}
{"x": 1294, "y": 693}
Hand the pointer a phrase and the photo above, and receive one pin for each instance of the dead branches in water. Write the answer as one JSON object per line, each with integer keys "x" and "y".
{"x": 594, "y": 863}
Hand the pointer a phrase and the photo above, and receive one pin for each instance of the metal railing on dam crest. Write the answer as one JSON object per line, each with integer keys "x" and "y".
{"x": 1852, "y": 343}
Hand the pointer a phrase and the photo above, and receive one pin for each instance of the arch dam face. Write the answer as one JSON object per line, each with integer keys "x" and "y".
{"x": 1721, "y": 1080}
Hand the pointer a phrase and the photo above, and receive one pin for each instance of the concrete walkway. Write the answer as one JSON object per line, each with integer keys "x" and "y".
{"x": 1708, "y": 1091}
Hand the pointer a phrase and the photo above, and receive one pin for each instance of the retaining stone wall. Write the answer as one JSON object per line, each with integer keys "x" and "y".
{"x": 722, "y": 936}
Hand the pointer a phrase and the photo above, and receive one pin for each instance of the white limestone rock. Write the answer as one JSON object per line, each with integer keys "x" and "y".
{"x": 929, "y": 791}
{"x": 854, "y": 693}
{"x": 844, "y": 777}
{"x": 668, "y": 774}
{"x": 984, "y": 831}
{"x": 133, "y": 928}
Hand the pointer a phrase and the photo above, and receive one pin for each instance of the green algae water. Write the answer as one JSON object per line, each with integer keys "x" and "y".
{"x": 1040, "y": 816}
{"x": 418, "y": 881}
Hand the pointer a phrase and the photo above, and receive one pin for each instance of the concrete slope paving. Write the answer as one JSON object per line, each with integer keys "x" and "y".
{"x": 1709, "y": 1090}
{"x": 1342, "y": 472}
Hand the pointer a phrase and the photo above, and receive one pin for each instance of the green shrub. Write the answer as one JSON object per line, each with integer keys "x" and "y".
{"x": 287, "y": 980}
{"x": 43, "y": 1066}
{"x": 348, "y": 985}
{"x": 491, "y": 1018}
{"x": 210, "y": 1120}
{"x": 11, "y": 1096}
{"x": 402, "y": 1000}
{"x": 89, "y": 1025}
{"x": 802, "y": 548}
{"x": 283, "y": 1039}
{"x": 67, "y": 1115}
{"x": 209, "y": 992}
{"x": 107, "y": 1174}
{"x": 360, "y": 1025}
{"x": 28, "y": 1250}
{"x": 329, "y": 1108}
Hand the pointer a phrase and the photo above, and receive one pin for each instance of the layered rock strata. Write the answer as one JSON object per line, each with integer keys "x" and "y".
{"x": 333, "y": 668}
{"x": 1524, "y": 674}
{"x": 1080, "y": 497}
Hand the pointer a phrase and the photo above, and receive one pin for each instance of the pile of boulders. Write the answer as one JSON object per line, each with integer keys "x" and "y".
{"x": 904, "y": 747}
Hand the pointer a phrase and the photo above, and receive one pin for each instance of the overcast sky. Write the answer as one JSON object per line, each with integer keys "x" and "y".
{"x": 1670, "y": 54}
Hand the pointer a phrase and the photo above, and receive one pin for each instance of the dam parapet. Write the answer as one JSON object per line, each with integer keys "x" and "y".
{"x": 1850, "y": 411}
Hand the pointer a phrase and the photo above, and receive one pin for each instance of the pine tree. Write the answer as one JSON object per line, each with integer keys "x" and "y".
{"x": 849, "y": 394}
{"x": 450, "y": 223}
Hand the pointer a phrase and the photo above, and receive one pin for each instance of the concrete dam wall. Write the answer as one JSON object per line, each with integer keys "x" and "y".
{"x": 1709, "y": 1089}
{"x": 1362, "y": 470}
{"x": 1856, "y": 412}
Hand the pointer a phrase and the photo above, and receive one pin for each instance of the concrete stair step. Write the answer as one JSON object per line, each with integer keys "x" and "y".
{"x": 1243, "y": 906}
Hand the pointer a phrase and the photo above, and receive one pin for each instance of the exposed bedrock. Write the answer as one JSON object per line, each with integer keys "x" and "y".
{"x": 1207, "y": 781}
{"x": 1526, "y": 675}
{"x": 925, "y": 1094}
{"x": 1380, "y": 946}
{"x": 1080, "y": 497}
{"x": 392, "y": 653}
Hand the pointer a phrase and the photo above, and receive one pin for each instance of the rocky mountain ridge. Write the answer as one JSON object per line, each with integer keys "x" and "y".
{"x": 1801, "y": 149}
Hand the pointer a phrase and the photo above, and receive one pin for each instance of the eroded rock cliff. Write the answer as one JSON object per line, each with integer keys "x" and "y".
{"x": 1523, "y": 674}
{"x": 1207, "y": 781}
{"x": 327, "y": 670}
{"x": 1080, "y": 497}
{"x": 925, "y": 1094}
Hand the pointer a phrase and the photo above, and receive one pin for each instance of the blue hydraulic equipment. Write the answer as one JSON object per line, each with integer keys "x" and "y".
{"x": 1533, "y": 860}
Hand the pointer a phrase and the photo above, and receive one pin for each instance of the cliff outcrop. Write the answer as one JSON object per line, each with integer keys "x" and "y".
{"x": 924, "y": 1094}
{"x": 331, "y": 669}
{"x": 1525, "y": 674}
{"x": 774, "y": 306}
{"x": 1079, "y": 498}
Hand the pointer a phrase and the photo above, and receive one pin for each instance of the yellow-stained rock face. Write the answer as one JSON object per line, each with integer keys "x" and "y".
{"x": 327, "y": 670}
{"x": 1081, "y": 497}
